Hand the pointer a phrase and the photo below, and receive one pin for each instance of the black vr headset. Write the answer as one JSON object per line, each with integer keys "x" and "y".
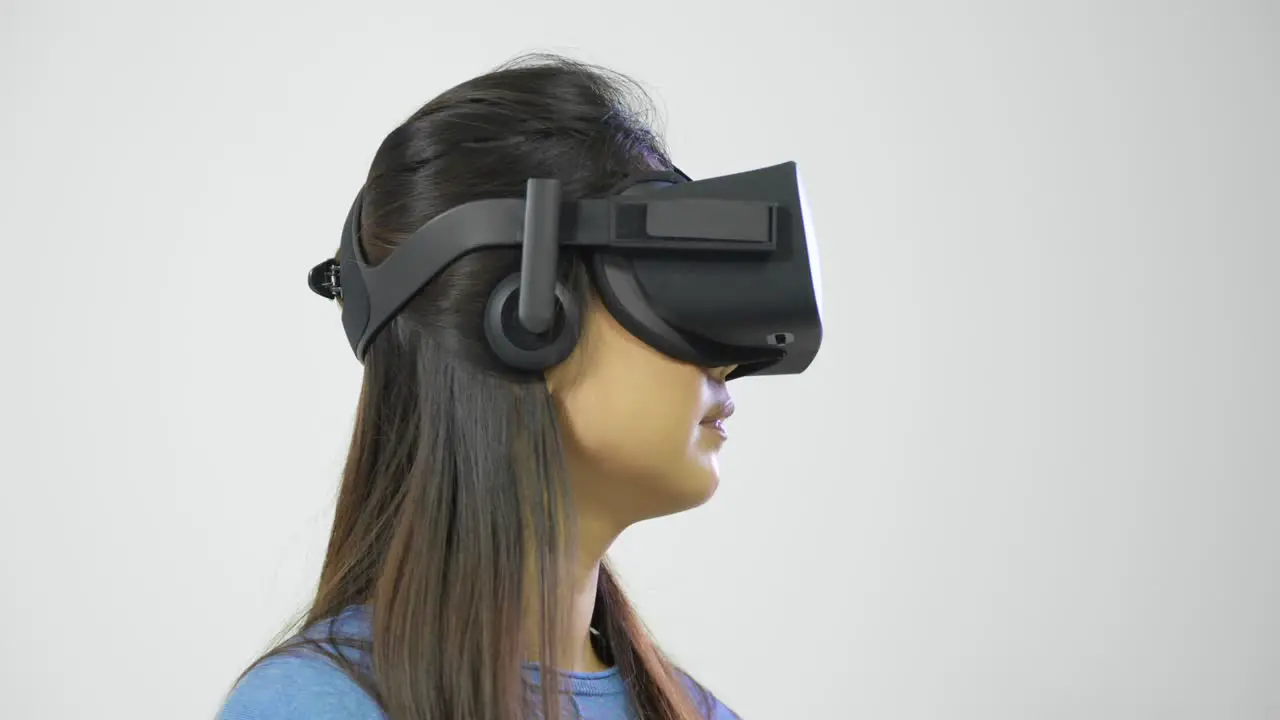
{"x": 712, "y": 272}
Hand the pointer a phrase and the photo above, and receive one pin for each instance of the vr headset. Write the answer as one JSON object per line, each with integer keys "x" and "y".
{"x": 715, "y": 272}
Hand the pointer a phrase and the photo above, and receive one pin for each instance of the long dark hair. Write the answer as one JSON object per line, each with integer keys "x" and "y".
{"x": 452, "y": 518}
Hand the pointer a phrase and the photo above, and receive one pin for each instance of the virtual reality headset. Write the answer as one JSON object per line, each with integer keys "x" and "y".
{"x": 715, "y": 272}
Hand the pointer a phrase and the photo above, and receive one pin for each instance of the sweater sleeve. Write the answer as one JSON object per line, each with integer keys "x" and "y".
{"x": 302, "y": 686}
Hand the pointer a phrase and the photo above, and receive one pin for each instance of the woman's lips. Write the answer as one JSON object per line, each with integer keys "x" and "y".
{"x": 716, "y": 426}
{"x": 715, "y": 419}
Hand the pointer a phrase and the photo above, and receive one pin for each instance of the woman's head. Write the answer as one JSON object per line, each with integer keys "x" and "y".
{"x": 470, "y": 488}
{"x": 631, "y": 417}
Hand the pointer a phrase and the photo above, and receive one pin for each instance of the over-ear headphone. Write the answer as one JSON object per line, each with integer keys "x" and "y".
{"x": 524, "y": 348}
{"x": 533, "y": 320}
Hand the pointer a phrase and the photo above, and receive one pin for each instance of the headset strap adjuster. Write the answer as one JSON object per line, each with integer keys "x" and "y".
{"x": 325, "y": 279}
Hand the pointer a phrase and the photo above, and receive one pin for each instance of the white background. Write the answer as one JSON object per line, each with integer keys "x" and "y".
{"x": 1034, "y": 473}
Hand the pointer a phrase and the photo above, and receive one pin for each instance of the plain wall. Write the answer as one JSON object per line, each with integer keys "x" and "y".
{"x": 1034, "y": 473}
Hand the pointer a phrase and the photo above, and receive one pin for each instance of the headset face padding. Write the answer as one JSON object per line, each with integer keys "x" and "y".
{"x": 518, "y": 347}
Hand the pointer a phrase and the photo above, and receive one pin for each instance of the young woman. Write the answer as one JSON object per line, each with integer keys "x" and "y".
{"x": 477, "y": 503}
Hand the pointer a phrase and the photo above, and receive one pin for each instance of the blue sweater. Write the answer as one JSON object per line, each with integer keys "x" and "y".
{"x": 306, "y": 686}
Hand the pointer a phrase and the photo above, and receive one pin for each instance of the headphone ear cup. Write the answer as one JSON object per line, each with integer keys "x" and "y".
{"x": 516, "y": 346}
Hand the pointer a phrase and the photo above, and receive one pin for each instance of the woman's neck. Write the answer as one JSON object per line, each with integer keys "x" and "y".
{"x": 577, "y": 653}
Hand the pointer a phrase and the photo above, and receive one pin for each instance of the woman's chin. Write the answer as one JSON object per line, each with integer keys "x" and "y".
{"x": 701, "y": 480}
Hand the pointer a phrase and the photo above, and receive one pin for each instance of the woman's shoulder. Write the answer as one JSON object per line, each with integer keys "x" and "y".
{"x": 298, "y": 685}
{"x": 303, "y": 681}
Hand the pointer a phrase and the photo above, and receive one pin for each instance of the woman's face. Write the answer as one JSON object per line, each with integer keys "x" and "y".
{"x": 642, "y": 431}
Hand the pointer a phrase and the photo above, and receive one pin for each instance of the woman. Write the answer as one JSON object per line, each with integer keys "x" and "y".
{"x": 477, "y": 503}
